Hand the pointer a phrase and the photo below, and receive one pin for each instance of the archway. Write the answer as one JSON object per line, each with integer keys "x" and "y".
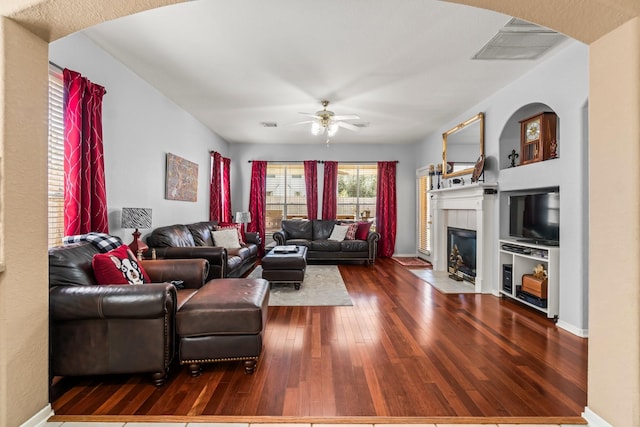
{"x": 28, "y": 25}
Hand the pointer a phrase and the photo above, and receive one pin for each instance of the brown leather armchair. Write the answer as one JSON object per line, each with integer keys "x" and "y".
{"x": 115, "y": 329}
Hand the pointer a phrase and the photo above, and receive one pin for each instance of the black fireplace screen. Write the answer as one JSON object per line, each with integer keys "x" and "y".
{"x": 465, "y": 241}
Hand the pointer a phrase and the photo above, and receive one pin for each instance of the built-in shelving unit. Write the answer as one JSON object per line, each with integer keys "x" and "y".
{"x": 521, "y": 258}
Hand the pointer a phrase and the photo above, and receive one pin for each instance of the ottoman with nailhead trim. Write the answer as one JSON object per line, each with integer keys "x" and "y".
{"x": 223, "y": 321}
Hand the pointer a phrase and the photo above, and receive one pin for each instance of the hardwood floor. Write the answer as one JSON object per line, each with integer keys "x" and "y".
{"x": 404, "y": 352}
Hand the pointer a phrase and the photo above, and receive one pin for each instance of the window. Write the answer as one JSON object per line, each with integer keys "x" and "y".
{"x": 357, "y": 187}
{"x": 424, "y": 216}
{"x": 55, "y": 163}
{"x": 286, "y": 194}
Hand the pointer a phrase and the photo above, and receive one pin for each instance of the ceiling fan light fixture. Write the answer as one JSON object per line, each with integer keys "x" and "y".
{"x": 332, "y": 129}
{"x": 316, "y": 129}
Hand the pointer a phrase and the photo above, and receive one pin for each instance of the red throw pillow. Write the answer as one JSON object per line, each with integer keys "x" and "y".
{"x": 363, "y": 230}
{"x": 239, "y": 227}
{"x": 351, "y": 232}
{"x": 118, "y": 267}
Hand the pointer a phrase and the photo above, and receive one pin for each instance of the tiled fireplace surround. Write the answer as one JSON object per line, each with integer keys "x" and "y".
{"x": 469, "y": 207}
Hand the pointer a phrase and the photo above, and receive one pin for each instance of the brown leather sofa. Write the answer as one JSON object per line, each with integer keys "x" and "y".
{"x": 114, "y": 329}
{"x": 314, "y": 234}
{"x": 196, "y": 241}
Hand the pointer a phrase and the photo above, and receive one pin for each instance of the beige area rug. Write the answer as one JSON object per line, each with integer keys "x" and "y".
{"x": 322, "y": 285}
{"x": 441, "y": 281}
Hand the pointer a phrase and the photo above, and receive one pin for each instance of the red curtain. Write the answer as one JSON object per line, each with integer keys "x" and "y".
{"x": 220, "y": 189}
{"x": 330, "y": 190}
{"x": 258, "y": 200}
{"x": 226, "y": 216}
{"x": 215, "y": 193}
{"x": 85, "y": 194}
{"x": 311, "y": 184}
{"x": 386, "y": 208}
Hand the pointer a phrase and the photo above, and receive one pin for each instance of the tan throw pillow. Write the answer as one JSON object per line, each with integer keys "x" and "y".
{"x": 226, "y": 238}
{"x": 339, "y": 232}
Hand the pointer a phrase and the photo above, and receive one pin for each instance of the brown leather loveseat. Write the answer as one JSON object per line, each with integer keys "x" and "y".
{"x": 196, "y": 241}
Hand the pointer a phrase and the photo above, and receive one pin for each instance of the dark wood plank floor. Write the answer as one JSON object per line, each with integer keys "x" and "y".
{"x": 403, "y": 350}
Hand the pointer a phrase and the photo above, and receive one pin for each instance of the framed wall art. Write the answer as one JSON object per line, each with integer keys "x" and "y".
{"x": 181, "y": 179}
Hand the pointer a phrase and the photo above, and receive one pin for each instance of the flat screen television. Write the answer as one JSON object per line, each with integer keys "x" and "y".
{"x": 535, "y": 218}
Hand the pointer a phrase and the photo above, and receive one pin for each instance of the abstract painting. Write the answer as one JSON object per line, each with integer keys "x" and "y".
{"x": 182, "y": 179}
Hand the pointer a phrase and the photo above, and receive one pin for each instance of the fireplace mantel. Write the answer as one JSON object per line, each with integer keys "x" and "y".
{"x": 468, "y": 207}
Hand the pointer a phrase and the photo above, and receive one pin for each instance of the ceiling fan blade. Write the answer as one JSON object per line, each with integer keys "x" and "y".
{"x": 346, "y": 117}
{"x": 301, "y": 123}
{"x": 347, "y": 126}
{"x": 310, "y": 115}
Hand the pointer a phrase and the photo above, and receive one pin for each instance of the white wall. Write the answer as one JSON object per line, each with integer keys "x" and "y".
{"x": 405, "y": 174}
{"x": 140, "y": 125}
{"x": 562, "y": 84}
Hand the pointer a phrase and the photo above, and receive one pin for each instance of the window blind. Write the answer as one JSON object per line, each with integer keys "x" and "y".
{"x": 55, "y": 162}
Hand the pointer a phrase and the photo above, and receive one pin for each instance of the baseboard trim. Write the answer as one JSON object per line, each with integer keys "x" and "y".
{"x": 39, "y": 419}
{"x": 594, "y": 419}
{"x": 582, "y": 333}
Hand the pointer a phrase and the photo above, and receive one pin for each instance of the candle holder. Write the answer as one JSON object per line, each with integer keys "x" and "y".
{"x": 438, "y": 173}
{"x": 431, "y": 175}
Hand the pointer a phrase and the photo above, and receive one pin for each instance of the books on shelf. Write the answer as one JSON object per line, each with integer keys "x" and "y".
{"x": 285, "y": 249}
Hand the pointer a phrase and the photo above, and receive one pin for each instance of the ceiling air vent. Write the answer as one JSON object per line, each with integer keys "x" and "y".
{"x": 519, "y": 39}
{"x": 269, "y": 124}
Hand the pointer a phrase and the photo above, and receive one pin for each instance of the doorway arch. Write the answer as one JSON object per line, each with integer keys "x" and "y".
{"x": 613, "y": 32}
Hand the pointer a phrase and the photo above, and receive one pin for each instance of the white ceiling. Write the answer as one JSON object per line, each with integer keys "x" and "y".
{"x": 403, "y": 66}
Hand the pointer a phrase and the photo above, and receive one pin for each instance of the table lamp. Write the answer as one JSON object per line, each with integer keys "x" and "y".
{"x": 243, "y": 218}
{"x": 137, "y": 218}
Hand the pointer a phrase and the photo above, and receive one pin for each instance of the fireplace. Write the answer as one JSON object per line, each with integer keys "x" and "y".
{"x": 461, "y": 253}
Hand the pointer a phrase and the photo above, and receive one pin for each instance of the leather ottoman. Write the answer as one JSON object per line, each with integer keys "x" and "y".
{"x": 286, "y": 267}
{"x": 224, "y": 321}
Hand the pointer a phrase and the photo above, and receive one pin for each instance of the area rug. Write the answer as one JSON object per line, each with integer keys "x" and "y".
{"x": 322, "y": 285}
{"x": 441, "y": 281}
{"x": 412, "y": 262}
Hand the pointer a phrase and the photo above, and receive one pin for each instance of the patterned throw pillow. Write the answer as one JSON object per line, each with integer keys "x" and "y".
{"x": 227, "y": 225}
{"x": 363, "y": 230}
{"x": 227, "y": 238}
{"x": 351, "y": 232}
{"x": 118, "y": 267}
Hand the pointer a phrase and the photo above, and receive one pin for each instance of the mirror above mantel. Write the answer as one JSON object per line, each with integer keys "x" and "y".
{"x": 462, "y": 147}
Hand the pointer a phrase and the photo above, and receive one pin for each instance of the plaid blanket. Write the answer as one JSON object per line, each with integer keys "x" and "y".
{"x": 104, "y": 242}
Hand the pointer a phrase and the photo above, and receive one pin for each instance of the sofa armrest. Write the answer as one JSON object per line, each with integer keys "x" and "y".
{"x": 192, "y": 272}
{"x": 280, "y": 237}
{"x": 373, "y": 239}
{"x": 216, "y": 255}
{"x": 253, "y": 237}
{"x": 149, "y": 301}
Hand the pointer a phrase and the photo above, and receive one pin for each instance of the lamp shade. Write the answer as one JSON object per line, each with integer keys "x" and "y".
{"x": 136, "y": 218}
{"x": 243, "y": 217}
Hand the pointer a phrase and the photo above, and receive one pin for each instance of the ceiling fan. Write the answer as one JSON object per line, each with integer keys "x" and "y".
{"x": 326, "y": 121}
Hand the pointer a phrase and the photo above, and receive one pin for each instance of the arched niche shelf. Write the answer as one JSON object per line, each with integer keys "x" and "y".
{"x": 510, "y": 136}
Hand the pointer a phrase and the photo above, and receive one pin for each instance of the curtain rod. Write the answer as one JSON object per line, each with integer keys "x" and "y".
{"x": 53, "y": 64}
{"x": 322, "y": 161}
{"x": 56, "y": 66}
